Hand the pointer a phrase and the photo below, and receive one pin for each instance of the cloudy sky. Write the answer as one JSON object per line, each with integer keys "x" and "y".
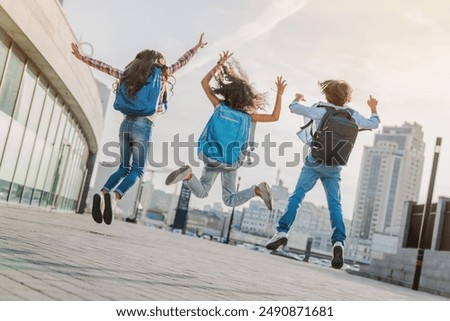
{"x": 396, "y": 50}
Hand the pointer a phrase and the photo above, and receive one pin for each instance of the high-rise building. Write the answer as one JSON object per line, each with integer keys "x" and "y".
{"x": 390, "y": 175}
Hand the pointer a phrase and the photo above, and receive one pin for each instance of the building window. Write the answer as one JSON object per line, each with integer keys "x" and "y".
{"x": 43, "y": 151}
{"x": 11, "y": 82}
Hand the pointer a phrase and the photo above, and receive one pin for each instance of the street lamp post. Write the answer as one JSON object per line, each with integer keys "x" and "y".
{"x": 426, "y": 215}
{"x": 227, "y": 240}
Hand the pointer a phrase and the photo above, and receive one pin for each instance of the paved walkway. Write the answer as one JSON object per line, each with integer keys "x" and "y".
{"x": 66, "y": 256}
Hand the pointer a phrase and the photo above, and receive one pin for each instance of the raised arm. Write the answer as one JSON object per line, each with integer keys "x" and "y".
{"x": 206, "y": 80}
{"x": 368, "y": 123}
{"x": 373, "y": 103}
{"x": 281, "y": 85}
{"x": 183, "y": 60}
{"x": 97, "y": 64}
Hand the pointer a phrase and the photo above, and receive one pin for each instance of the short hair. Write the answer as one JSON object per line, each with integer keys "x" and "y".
{"x": 337, "y": 92}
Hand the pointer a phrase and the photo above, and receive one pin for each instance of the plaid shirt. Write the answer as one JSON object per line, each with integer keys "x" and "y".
{"x": 117, "y": 73}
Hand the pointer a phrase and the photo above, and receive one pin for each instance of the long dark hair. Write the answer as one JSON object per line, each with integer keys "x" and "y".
{"x": 137, "y": 72}
{"x": 237, "y": 92}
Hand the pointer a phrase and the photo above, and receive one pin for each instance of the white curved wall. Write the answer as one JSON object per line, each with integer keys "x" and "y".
{"x": 41, "y": 30}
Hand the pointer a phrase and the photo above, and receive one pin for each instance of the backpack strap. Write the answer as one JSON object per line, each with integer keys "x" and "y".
{"x": 351, "y": 111}
{"x": 304, "y": 126}
{"x": 310, "y": 122}
{"x": 250, "y": 144}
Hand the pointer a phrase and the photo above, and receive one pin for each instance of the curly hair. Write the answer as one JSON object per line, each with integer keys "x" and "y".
{"x": 337, "y": 92}
{"x": 234, "y": 87}
{"x": 137, "y": 71}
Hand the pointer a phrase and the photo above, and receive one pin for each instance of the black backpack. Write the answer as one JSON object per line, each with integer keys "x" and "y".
{"x": 335, "y": 136}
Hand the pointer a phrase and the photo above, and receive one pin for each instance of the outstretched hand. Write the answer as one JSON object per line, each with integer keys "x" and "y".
{"x": 223, "y": 57}
{"x": 372, "y": 102}
{"x": 281, "y": 85}
{"x": 201, "y": 43}
{"x": 299, "y": 97}
{"x": 76, "y": 51}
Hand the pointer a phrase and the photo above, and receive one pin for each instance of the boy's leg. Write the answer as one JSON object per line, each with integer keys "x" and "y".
{"x": 333, "y": 193}
{"x": 229, "y": 195}
{"x": 201, "y": 188}
{"x": 332, "y": 190}
{"x": 306, "y": 181}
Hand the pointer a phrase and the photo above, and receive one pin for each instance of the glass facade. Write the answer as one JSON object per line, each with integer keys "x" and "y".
{"x": 43, "y": 152}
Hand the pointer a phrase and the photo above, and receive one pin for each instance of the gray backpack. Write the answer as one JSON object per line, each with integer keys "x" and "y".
{"x": 335, "y": 136}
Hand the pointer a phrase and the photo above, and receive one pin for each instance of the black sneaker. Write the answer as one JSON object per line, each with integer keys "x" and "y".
{"x": 338, "y": 255}
{"x": 96, "y": 210}
{"x": 107, "y": 213}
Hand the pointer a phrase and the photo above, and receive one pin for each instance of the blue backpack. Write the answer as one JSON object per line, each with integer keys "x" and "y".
{"x": 146, "y": 99}
{"x": 225, "y": 137}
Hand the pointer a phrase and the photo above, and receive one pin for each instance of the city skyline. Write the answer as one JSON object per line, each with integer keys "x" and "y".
{"x": 401, "y": 61}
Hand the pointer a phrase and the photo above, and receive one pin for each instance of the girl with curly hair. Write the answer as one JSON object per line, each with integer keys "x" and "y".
{"x": 225, "y": 136}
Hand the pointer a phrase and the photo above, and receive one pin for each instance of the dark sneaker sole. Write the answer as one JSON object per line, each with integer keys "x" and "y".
{"x": 338, "y": 261}
{"x": 274, "y": 245}
{"x": 96, "y": 211}
{"x": 107, "y": 213}
{"x": 173, "y": 177}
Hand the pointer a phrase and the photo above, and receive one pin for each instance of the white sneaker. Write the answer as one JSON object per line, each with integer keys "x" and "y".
{"x": 178, "y": 175}
{"x": 266, "y": 194}
{"x": 277, "y": 240}
{"x": 338, "y": 255}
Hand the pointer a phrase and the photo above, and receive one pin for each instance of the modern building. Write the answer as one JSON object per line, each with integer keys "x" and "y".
{"x": 206, "y": 222}
{"x": 390, "y": 175}
{"x": 400, "y": 268}
{"x": 256, "y": 219}
{"x": 312, "y": 218}
{"x": 51, "y": 116}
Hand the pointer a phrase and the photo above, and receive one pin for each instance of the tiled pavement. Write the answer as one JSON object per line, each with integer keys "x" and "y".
{"x": 66, "y": 256}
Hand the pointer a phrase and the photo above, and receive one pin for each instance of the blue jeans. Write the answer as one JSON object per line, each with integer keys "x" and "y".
{"x": 231, "y": 198}
{"x": 330, "y": 177}
{"x": 134, "y": 138}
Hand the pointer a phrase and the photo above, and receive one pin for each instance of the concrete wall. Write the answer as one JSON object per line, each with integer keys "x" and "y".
{"x": 40, "y": 29}
{"x": 400, "y": 269}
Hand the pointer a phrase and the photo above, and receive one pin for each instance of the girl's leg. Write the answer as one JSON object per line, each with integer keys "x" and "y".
{"x": 230, "y": 197}
{"x": 140, "y": 138}
{"x": 125, "y": 155}
{"x": 201, "y": 188}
